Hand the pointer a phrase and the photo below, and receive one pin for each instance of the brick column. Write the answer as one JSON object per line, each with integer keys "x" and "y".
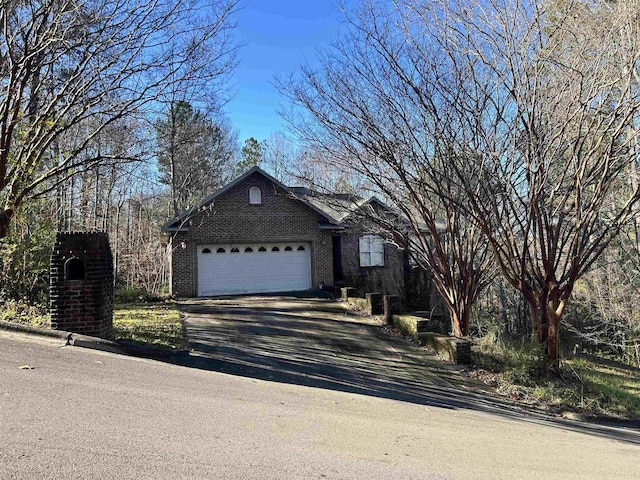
{"x": 392, "y": 306}
{"x": 81, "y": 283}
{"x": 376, "y": 305}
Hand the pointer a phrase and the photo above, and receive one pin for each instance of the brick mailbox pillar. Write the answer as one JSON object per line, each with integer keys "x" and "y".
{"x": 81, "y": 283}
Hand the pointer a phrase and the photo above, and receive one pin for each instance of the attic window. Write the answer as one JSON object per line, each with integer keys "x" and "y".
{"x": 206, "y": 250}
{"x": 288, "y": 249}
{"x": 275, "y": 249}
{"x": 220, "y": 250}
{"x": 371, "y": 251}
{"x": 255, "y": 196}
{"x": 300, "y": 248}
{"x": 235, "y": 250}
{"x": 248, "y": 250}
{"x": 262, "y": 249}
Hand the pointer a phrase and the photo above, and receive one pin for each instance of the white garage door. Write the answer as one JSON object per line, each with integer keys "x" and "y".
{"x": 253, "y": 268}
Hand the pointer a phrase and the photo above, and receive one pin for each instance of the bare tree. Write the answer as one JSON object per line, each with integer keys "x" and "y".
{"x": 542, "y": 99}
{"x": 280, "y": 155}
{"x": 71, "y": 68}
{"x": 369, "y": 109}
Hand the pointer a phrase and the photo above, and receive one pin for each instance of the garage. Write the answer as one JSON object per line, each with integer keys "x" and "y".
{"x": 229, "y": 269}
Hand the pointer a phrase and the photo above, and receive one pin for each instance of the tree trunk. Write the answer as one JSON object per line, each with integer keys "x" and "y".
{"x": 546, "y": 314}
{"x": 553, "y": 339}
{"x": 455, "y": 323}
{"x": 538, "y": 322}
{"x": 554, "y": 310}
{"x": 5, "y": 220}
{"x": 460, "y": 316}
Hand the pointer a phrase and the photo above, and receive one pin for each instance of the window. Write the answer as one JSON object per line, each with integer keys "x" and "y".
{"x": 275, "y": 249}
{"x": 300, "y": 248}
{"x": 288, "y": 249}
{"x": 262, "y": 249}
{"x": 248, "y": 250}
{"x": 371, "y": 251}
{"x": 206, "y": 250}
{"x": 220, "y": 250}
{"x": 235, "y": 250}
{"x": 255, "y": 196}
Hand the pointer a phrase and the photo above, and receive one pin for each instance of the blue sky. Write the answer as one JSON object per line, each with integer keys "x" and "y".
{"x": 279, "y": 36}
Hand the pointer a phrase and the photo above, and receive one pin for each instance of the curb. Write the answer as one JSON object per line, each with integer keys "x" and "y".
{"x": 603, "y": 420}
{"x": 122, "y": 347}
{"x": 150, "y": 351}
{"x": 45, "y": 332}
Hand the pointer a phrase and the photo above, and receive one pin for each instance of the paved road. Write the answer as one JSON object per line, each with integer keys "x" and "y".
{"x": 82, "y": 413}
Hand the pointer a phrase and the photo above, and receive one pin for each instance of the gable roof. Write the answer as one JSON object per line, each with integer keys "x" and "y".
{"x": 177, "y": 224}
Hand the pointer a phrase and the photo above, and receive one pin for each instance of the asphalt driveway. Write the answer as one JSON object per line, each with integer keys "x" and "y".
{"x": 320, "y": 342}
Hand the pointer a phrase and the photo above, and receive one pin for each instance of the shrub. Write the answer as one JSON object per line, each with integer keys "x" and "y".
{"x": 134, "y": 295}
{"x": 18, "y": 311}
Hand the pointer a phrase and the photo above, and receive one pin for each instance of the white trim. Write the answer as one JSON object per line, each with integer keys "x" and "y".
{"x": 255, "y": 195}
{"x": 371, "y": 251}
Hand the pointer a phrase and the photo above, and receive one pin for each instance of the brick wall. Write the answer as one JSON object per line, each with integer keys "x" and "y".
{"x": 81, "y": 283}
{"x": 387, "y": 280}
{"x": 231, "y": 219}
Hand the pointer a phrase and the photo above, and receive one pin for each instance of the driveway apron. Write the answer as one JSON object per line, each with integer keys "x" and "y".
{"x": 320, "y": 342}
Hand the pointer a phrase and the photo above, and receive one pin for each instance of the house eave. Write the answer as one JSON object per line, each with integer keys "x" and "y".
{"x": 325, "y": 226}
{"x": 175, "y": 229}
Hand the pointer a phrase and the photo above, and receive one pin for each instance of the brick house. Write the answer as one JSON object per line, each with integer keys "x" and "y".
{"x": 255, "y": 235}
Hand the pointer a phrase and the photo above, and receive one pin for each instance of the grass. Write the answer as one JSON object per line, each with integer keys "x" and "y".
{"x": 610, "y": 387}
{"x": 588, "y": 385}
{"x": 142, "y": 319}
{"x": 155, "y": 323}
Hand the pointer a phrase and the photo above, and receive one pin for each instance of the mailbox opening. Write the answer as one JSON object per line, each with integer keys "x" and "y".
{"x": 74, "y": 269}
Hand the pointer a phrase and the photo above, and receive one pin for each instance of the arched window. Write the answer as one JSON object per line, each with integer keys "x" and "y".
{"x": 262, "y": 249}
{"x": 206, "y": 250}
{"x": 248, "y": 250}
{"x": 300, "y": 248}
{"x": 255, "y": 196}
{"x": 275, "y": 249}
{"x": 288, "y": 249}
{"x": 220, "y": 250}
{"x": 74, "y": 269}
{"x": 235, "y": 250}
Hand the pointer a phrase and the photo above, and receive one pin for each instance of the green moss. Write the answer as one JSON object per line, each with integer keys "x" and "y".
{"x": 360, "y": 303}
{"x": 407, "y": 324}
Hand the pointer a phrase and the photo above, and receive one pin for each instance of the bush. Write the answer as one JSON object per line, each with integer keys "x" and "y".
{"x": 134, "y": 295}
{"x": 521, "y": 362}
{"x": 22, "y": 312}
